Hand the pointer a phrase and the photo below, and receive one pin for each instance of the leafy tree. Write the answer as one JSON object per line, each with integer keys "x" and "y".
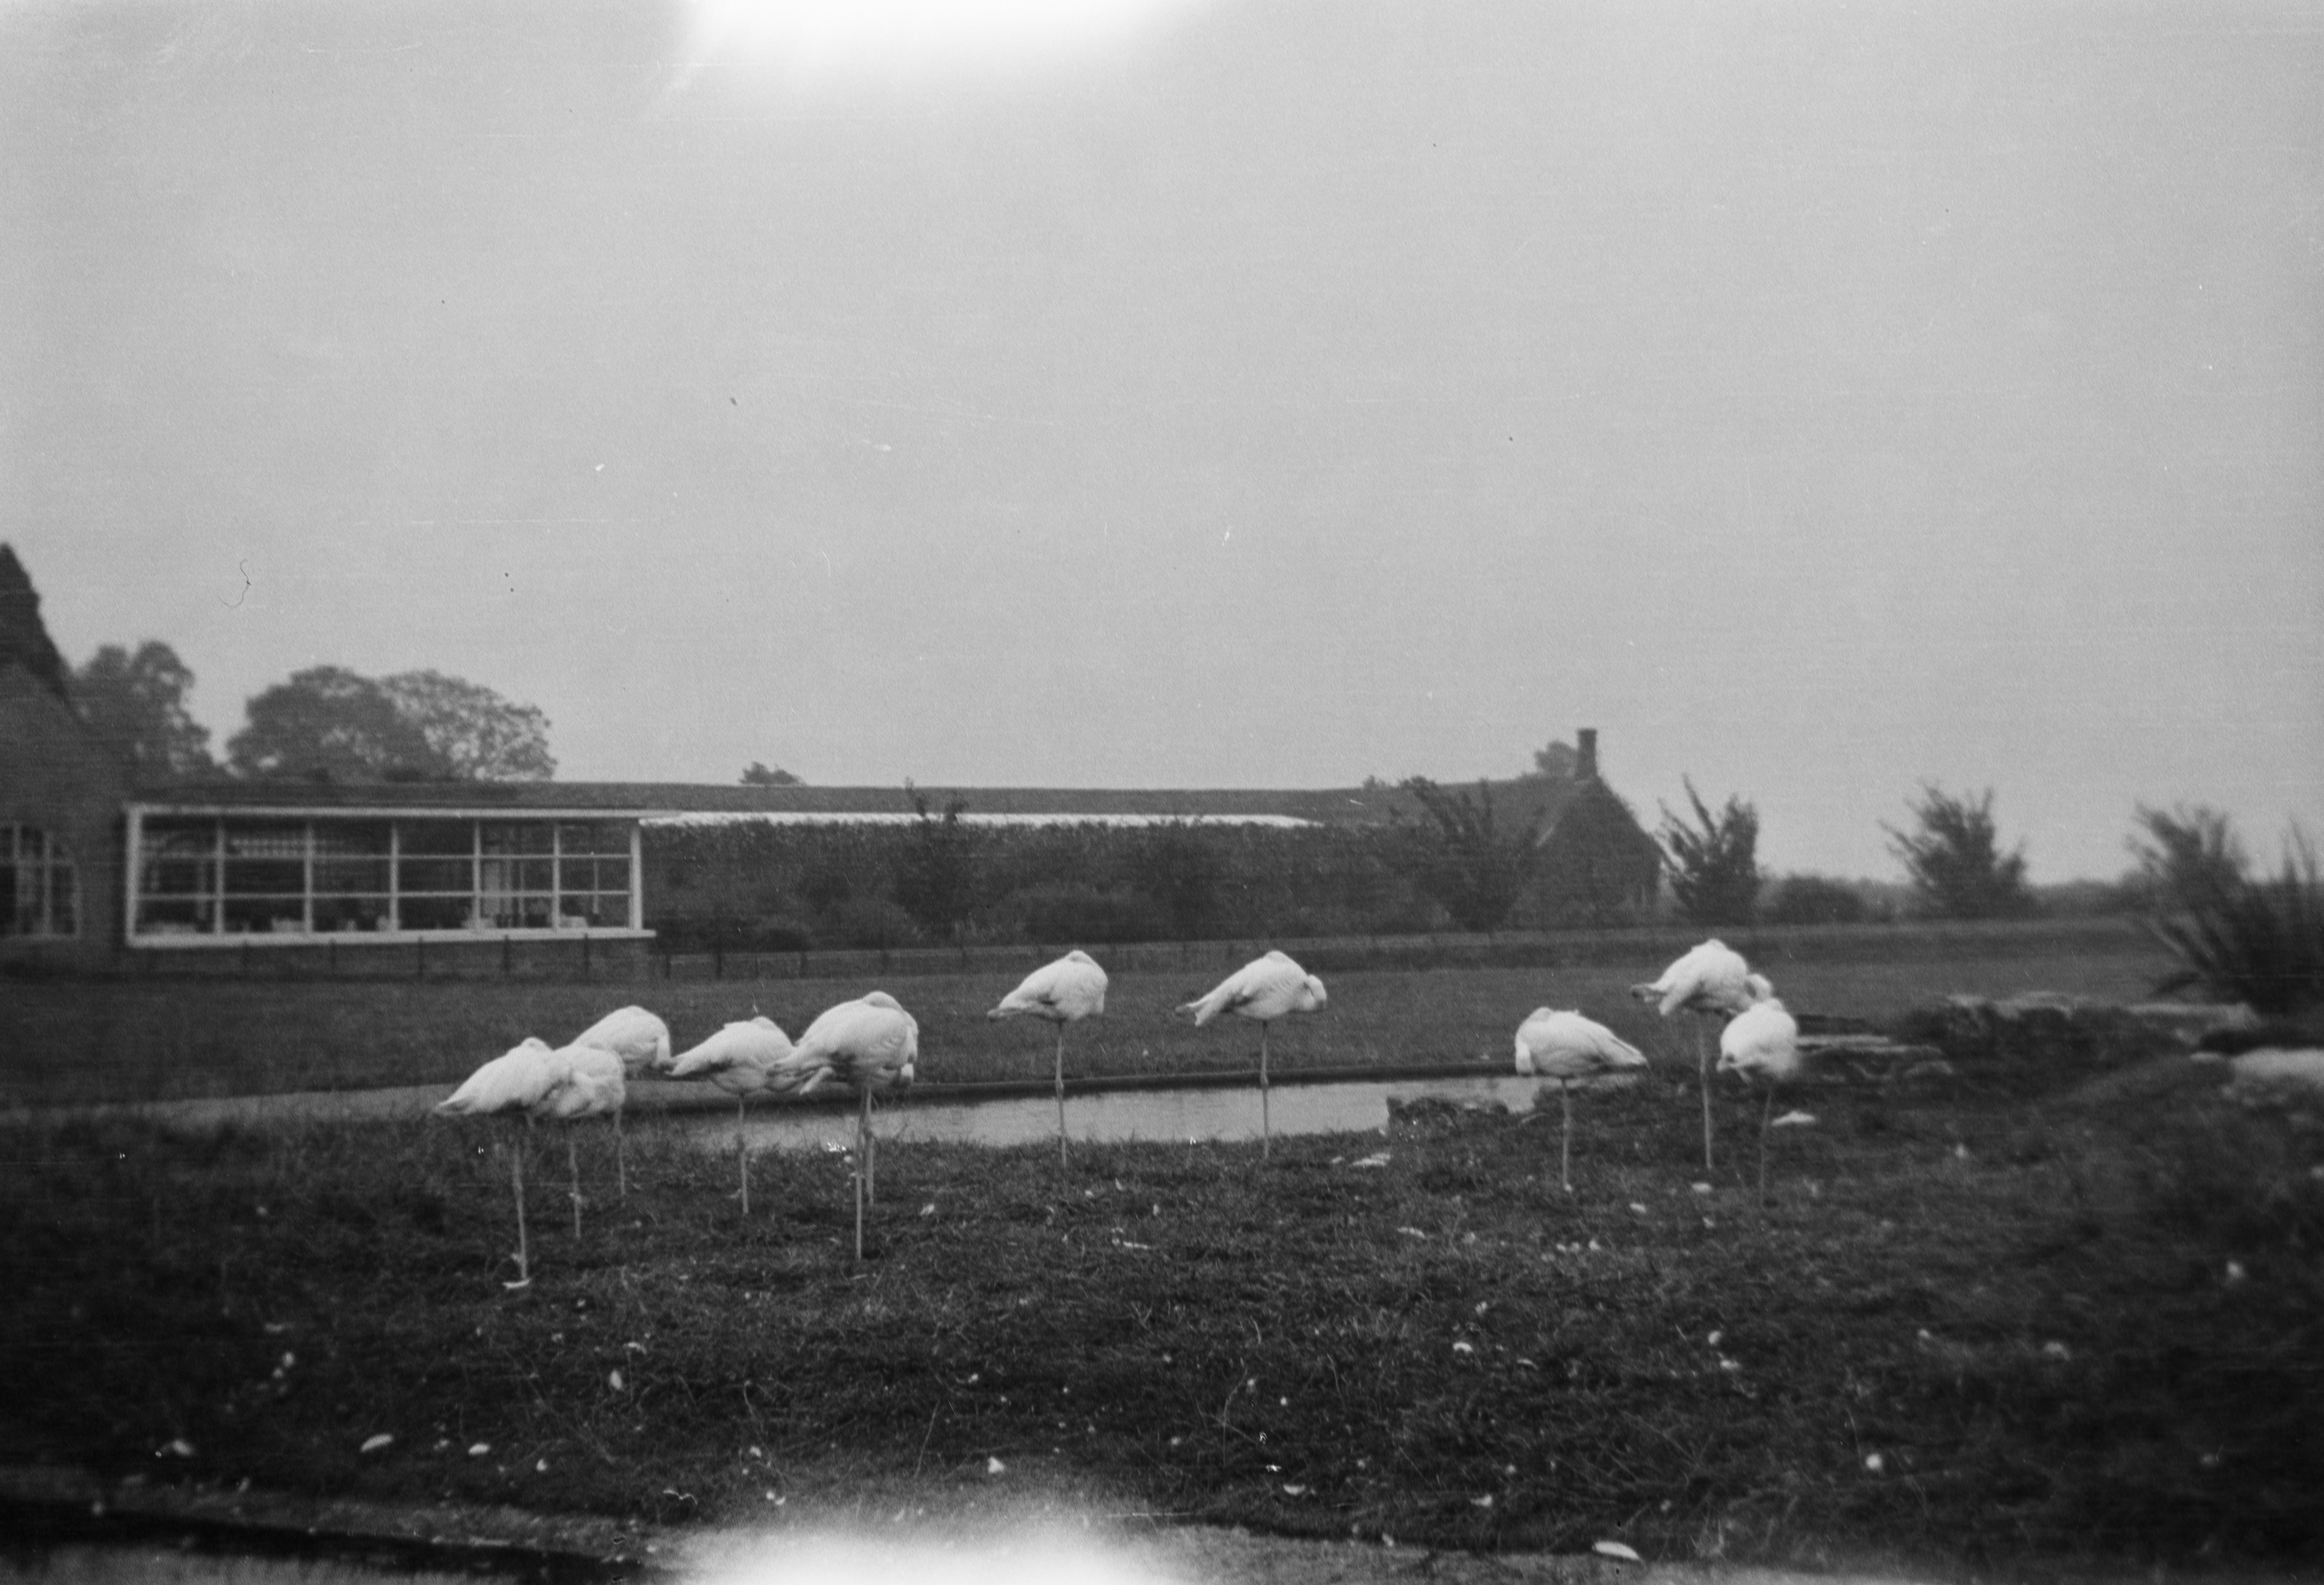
{"x": 138, "y": 704}
{"x": 2190, "y": 855}
{"x": 758, "y": 775}
{"x": 329, "y": 723}
{"x": 935, "y": 880}
{"x": 1556, "y": 759}
{"x": 1474, "y": 869}
{"x": 1954, "y": 859}
{"x": 1713, "y": 864}
{"x": 477, "y": 735}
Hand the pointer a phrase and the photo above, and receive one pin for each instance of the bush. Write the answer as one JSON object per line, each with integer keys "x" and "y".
{"x": 1068, "y": 914}
{"x": 2259, "y": 941}
{"x": 873, "y": 921}
{"x": 1814, "y": 899}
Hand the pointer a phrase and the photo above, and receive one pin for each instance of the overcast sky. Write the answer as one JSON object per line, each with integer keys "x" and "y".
{"x": 1818, "y": 399}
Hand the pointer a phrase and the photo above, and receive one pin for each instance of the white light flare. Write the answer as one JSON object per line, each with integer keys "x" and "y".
{"x": 807, "y": 44}
{"x": 1044, "y": 1556}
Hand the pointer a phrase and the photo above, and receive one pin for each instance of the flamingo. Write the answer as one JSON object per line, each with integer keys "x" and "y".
{"x": 870, "y": 1045}
{"x": 641, "y": 1041}
{"x": 742, "y": 1059}
{"x": 1566, "y": 1046}
{"x": 1064, "y": 992}
{"x": 1709, "y": 981}
{"x": 1762, "y": 1043}
{"x": 1264, "y": 989}
{"x": 511, "y": 1085}
{"x": 584, "y": 1082}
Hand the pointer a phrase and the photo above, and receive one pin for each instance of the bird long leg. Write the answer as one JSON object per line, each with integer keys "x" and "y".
{"x": 1764, "y": 1113}
{"x": 742, "y": 1156}
{"x": 621, "y": 1158}
{"x": 863, "y": 1135}
{"x": 573, "y": 1160}
{"x": 1702, "y": 1071}
{"x": 1266, "y": 1130}
{"x": 523, "y": 1256}
{"x": 1566, "y": 1140}
{"x": 871, "y": 1155}
{"x": 1061, "y": 1097}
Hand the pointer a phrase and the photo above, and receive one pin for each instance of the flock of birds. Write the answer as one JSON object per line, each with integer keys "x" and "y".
{"x": 870, "y": 1045}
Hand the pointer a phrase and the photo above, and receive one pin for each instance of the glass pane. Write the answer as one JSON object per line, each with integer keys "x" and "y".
{"x": 351, "y": 839}
{"x": 64, "y": 899}
{"x": 437, "y": 875}
{"x": 335, "y": 913}
{"x": 263, "y": 916}
{"x": 341, "y": 875}
{"x": 434, "y": 913}
{"x": 529, "y": 836}
{"x": 254, "y": 877}
{"x": 598, "y": 837}
{"x": 266, "y": 839}
{"x": 179, "y": 837}
{"x": 174, "y": 918}
{"x": 177, "y": 878}
{"x": 438, "y": 836}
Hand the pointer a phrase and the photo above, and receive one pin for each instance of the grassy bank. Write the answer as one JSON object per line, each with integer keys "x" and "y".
{"x": 1968, "y": 1327}
{"x": 66, "y": 1041}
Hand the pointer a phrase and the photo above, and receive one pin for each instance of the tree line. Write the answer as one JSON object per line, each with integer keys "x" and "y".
{"x": 324, "y": 723}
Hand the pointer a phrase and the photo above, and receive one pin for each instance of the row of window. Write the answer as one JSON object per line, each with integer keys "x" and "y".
{"x": 212, "y": 875}
{"x": 39, "y": 890}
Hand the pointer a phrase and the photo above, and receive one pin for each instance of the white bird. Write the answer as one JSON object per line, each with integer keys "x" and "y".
{"x": 509, "y": 1085}
{"x": 584, "y": 1082}
{"x": 1264, "y": 989}
{"x": 1566, "y": 1046}
{"x": 1064, "y": 992}
{"x": 868, "y": 1044}
{"x": 641, "y": 1041}
{"x": 744, "y": 1059}
{"x": 1709, "y": 981}
{"x": 1762, "y": 1043}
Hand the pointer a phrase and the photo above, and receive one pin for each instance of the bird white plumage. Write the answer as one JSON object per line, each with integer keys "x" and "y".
{"x": 1065, "y": 992}
{"x": 513, "y": 1081}
{"x": 753, "y": 1057}
{"x": 511, "y": 1085}
{"x": 1709, "y": 978}
{"x": 584, "y": 1082}
{"x": 1712, "y": 980}
{"x": 1264, "y": 989}
{"x": 1762, "y": 1044}
{"x": 640, "y": 1038}
{"x": 870, "y": 1044}
{"x": 1566, "y": 1046}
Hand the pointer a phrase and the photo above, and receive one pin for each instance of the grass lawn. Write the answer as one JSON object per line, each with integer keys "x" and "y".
{"x": 1973, "y": 1326}
{"x": 65, "y": 1041}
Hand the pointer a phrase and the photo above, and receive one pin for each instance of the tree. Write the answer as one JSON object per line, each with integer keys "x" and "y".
{"x": 2190, "y": 855}
{"x": 474, "y": 733}
{"x": 136, "y": 703}
{"x": 1954, "y": 859}
{"x": 935, "y": 880}
{"x": 1714, "y": 870}
{"x": 758, "y": 775}
{"x": 1474, "y": 869}
{"x": 332, "y": 725}
{"x": 1556, "y": 759}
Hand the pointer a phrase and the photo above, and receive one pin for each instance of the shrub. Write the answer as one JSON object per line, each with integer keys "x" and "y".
{"x": 1815, "y": 899}
{"x": 2260, "y": 941}
{"x": 1068, "y": 914}
{"x": 1714, "y": 870}
{"x": 1955, "y": 862}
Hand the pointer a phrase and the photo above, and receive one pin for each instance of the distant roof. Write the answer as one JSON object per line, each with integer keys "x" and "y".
{"x": 1514, "y": 802}
{"x": 23, "y": 638}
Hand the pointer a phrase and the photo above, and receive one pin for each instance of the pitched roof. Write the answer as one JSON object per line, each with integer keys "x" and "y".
{"x": 23, "y": 637}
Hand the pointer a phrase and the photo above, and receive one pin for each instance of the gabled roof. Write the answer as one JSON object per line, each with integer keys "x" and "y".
{"x": 23, "y": 637}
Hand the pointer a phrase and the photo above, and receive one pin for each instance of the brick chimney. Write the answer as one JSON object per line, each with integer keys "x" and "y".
{"x": 1585, "y": 754}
